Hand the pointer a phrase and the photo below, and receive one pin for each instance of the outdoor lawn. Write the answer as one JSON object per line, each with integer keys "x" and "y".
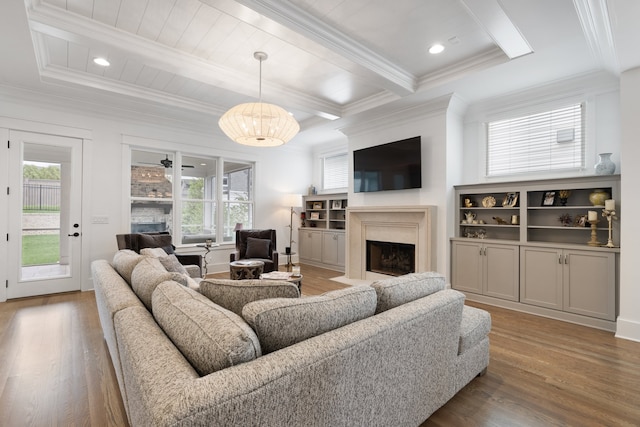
{"x": 40, "y": 249}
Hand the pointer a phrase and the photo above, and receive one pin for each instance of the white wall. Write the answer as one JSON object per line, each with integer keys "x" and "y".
{"x": 599, "y": 91}
{"x": 429, "y": 122}
{"x": 279, "y": 170}
{"x": 628, "y": 325}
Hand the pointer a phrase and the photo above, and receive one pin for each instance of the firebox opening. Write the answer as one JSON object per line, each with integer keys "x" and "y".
{"x": 393, "y": 259}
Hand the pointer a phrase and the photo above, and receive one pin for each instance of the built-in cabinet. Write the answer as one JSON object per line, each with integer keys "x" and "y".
{"x": 530, "y": 246}
{"x": 576, "y": 281}
{"x": 322, "y": 236}
{"x": 486, "y": 268}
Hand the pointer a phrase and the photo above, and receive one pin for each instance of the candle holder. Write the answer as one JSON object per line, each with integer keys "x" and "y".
{"x": 594, "y": 235}
{"x": 610, "y": 215}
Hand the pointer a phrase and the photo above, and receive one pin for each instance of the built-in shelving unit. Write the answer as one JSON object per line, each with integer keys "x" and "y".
{"x": 529, "y": 246}
{"x": 322, "y": 235}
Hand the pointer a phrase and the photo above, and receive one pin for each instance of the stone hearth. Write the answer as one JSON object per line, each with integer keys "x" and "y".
{"x": 394, "y": 224}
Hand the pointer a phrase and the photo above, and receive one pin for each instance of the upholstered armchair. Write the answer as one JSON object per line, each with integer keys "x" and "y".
{"x": 257, "y": 245}
{"x": 139, "y": 241}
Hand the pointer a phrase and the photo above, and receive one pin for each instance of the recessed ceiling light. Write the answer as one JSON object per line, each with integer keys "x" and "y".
{"x": 101, "y": 61}
{"x": 436, "y": 48}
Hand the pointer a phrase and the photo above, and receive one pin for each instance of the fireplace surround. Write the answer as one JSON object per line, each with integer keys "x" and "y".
{"x": 413, "y": 225}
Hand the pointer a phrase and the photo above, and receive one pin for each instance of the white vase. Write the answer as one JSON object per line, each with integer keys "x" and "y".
{"x": 605, "y": 166}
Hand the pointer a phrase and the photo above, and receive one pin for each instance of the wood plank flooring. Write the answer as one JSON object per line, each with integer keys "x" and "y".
{"x": 55, "y": 369}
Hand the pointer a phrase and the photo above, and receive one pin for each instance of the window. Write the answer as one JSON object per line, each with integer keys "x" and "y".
{"x": 542, "y": 142}
{"x": 208, "y": 205}
{"x": 335, "y": 172}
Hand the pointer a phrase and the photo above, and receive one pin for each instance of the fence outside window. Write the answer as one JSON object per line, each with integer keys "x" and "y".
{"x": 41, "y": 197}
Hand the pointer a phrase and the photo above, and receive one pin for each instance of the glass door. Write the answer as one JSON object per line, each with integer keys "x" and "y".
{"x": 44, "y": 214}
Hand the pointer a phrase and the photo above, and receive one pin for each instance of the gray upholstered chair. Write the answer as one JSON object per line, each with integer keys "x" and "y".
{"x": 259, "y": 245}
{"x": 138, "y": 241}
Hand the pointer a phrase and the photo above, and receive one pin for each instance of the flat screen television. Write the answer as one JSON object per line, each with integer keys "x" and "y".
{"x": 392, "y": 166}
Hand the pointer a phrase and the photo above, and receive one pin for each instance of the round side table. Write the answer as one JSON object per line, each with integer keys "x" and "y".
{"x": 239, "y": 270}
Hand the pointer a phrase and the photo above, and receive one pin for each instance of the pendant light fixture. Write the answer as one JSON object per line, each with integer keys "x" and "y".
{"x": 259, "y": 124}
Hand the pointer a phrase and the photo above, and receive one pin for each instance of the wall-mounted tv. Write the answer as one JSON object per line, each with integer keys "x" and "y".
{"x": 392, "y": 166}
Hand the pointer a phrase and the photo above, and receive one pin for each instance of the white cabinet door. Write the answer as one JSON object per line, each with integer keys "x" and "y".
{"x": 333, "y": 248}
{"x": 589, "y": 283}
{"x": 541, "y": 276}
{"x": 501, "y": 271}
{"x": 466, "y": 266}
{"x": 311, "y": 245}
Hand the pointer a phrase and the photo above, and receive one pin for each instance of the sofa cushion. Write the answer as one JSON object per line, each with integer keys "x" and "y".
{"x": 403, "y": 289}
{"x": 475, "y": 325}
{"x": 281, "y": 322}
{"x": 124, "y": 261}
{"x": 148, "y": 274}
{"x": 258, "y": 248}
{"x": 235, "y": 294}
{"x": 153, "y": 252}
{"x": 209, "y": 336}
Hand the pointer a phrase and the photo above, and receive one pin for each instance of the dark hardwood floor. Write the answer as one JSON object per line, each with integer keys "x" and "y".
{"x": 55, "y": 369}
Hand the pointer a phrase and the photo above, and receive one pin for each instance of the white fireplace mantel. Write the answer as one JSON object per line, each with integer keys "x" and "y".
{"x": 396, "y": 224}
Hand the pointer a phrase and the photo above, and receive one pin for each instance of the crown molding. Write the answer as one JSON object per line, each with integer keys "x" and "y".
{"x": 596, "y": 26}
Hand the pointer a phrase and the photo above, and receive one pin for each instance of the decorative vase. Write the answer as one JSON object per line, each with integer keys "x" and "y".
{"x": 598, "y": 196}
{"x": 605, "y": 166}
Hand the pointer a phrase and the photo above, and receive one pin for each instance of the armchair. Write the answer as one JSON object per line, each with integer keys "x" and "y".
{"x": 257, "y": 245}
{"x": 138, "y": 241}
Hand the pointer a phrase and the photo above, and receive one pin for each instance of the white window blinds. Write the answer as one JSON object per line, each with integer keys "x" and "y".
{"x": 547, "y": 141}
{"x": 335, "y": 172}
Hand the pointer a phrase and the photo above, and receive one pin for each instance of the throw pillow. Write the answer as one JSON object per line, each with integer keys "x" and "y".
{"x": 124, "y": 261}
{"x": 403, "y": 289}
{"x": 235, "y": 294}
{"x": 281, "y": 322}
{"x": 258, "y": 248}
{"x": 210, "y": 337}
{"x": 153, "y": 252}
{"x": 171, "y": 263}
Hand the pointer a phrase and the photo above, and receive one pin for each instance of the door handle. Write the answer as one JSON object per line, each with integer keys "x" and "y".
{"x": 76, "y": 234}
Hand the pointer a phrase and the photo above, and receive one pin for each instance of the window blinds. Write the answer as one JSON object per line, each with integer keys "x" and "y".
{"x": 551, "y": 140}
{"x": 335, "y": 172}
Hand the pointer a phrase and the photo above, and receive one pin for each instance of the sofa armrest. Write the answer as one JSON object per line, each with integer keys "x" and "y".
{"x": 274, "y": 258}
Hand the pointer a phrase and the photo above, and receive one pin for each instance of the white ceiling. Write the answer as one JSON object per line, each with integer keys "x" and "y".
{"x": 330, "y": 61}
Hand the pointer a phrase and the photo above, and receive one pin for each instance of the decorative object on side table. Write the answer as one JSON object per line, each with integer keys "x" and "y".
{"x": 564, "y": 196}
{"x": 605, "y": 166}
{"x": 565, "y": 219}
{"x": 609, "y": 212}
{"x": 598, "y": 196}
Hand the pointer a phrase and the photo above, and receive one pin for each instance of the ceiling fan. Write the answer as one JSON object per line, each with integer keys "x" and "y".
{"x": 167, "y": 163}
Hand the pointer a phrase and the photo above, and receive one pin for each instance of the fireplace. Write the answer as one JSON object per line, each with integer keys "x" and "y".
{"x": 411, "y": 225}
{"x": 393, "y": 259}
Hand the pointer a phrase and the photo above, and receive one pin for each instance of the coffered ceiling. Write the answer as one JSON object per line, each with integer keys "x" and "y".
{"x": 329, "y": 60}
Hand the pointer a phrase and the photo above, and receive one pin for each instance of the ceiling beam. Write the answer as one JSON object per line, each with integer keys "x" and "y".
{"x": 287, "y": 14}
{"x": 493, "y": 19}
{"x": 52, "y": 21}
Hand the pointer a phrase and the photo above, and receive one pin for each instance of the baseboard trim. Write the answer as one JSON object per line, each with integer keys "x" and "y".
{"x": 628, "y": 329}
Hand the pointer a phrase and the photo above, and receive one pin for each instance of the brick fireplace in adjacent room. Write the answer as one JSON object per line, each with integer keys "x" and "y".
{"x": 401, "y": 232}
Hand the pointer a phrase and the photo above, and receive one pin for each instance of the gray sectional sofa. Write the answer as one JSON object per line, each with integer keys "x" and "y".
{"x": 252, "y": 353}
